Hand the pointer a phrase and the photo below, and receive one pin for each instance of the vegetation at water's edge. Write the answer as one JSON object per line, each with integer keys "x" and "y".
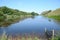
{"x": 55, "y": 17}
{"x": 8, "y": 15}
{"x": 31, "y": 36}
{"x": 52, "y": 14}
{"x": 18, "y": 37}
{"x": 55, "y": 38}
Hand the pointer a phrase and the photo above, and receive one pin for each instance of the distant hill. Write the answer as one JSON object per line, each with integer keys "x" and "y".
{"x": 52, "y": 14}
{"x": 10, "y": 11}
{"x": 46, "y": 12}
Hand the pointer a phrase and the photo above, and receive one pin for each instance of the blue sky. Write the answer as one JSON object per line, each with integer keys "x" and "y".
{"x": 31, "y": 5}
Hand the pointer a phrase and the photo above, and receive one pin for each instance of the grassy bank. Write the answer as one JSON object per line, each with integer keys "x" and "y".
{"x": 54, "y": 17}
{"x": 18, "y": 37}
{"x": 9, "y": 16}
{"x": 32, "y": 36}
{"x": 55, "y": 14}
{"x": 56, "y": 38}
{"x": 8, "y": 13}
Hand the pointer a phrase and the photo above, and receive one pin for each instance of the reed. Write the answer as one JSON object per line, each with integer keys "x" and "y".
{"x": 32, "y": 36}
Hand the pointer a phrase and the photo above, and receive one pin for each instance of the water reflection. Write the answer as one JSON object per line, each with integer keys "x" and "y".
{"x": 6, "y": 23}
{"x": 57, "y": 22}
{"x": 49, "y": 20}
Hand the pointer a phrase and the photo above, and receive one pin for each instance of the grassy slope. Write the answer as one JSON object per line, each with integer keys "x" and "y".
{"x": 54, "y": 14}
{"x": 8, "y": 13}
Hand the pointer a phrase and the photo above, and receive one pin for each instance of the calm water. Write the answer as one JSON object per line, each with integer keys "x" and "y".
{"x": 30, "y": 25}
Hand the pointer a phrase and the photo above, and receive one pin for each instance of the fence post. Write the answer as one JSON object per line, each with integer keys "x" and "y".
{"x": 45, "y": 29}
{"x": 53, "y": 34}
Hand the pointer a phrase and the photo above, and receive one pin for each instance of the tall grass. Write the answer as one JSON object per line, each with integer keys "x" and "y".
{"x": 4, "y": 36}
{"x": 18, "y": 37}
{"x": 32, "y": 36}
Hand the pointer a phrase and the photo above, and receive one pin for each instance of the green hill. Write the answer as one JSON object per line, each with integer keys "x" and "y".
{"x": 46, "y": 12}
{"x": 53, "y": 14}
{"x": 9, "y": 16}
{"x": 8, "y": 13}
